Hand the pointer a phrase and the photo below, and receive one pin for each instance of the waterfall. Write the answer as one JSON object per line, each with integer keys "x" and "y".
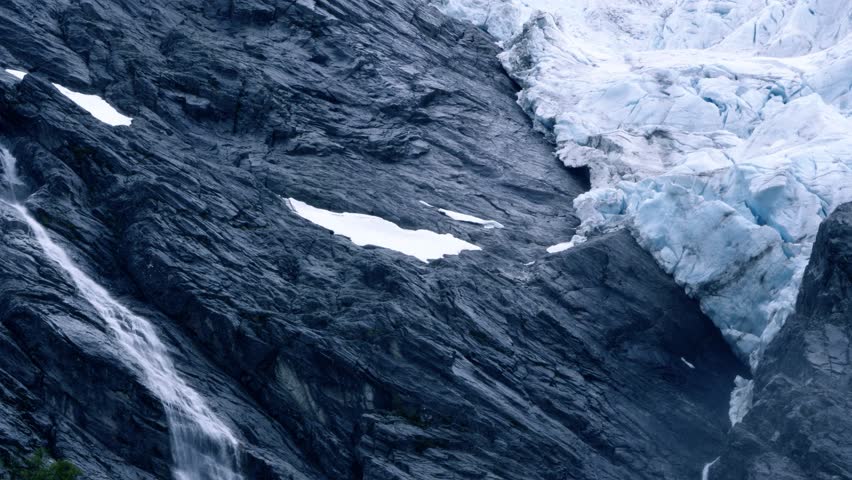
{"x": 203, "y": 447}
{"x": 705, "y": 472}
{"x": 10, "y": 174}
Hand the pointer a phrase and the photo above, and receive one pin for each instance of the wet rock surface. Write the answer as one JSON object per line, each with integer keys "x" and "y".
{"x": 799, "y": 427}
{"x": 329, "y": 360}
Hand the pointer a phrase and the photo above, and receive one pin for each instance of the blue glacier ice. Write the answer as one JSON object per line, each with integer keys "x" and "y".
{"x": 717, "y": 131}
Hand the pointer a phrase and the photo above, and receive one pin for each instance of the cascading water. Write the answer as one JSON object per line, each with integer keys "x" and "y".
{"x": 10, "y": 173}
{"x": 203, "y": 447}
{"x": 705, "y": 472}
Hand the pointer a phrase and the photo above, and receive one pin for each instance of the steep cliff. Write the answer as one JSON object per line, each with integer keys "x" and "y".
{"x": 326, "y": 359}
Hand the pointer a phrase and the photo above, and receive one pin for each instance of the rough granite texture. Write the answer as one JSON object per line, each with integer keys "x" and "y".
{"x": 330, "y": 361}
{"x": 800, "y": 427}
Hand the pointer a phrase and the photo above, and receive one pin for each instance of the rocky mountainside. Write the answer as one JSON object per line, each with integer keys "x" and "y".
{"x": 323, "y": 359}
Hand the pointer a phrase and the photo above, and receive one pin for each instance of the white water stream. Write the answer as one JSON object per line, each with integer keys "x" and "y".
{"x": 203, "y": 447}
{"x": 705, "y": 472}
{"x": 10, "y": 173}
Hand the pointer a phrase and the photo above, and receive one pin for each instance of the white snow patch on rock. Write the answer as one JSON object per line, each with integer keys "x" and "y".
{"x": 97, "y": 106}
{"x": 561, "y": 247}
{"x": 718, "y": 131}
{"x": 688, "y": 364}
{"x": 463, "y": 217}
{"x": 369, "y": 230}
{"x": 16, "y": 73}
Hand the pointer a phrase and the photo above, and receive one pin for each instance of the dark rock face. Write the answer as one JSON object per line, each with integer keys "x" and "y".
{"x": 329, "y": 360}
{"x": 800, "y": 427}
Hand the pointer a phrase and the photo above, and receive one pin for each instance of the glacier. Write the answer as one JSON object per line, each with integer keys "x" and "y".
{"x": 717, "y": 131}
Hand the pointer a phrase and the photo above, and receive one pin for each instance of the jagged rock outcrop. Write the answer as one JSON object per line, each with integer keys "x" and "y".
{"x": 800, "y": 427}
{"x": 329, "y": 360}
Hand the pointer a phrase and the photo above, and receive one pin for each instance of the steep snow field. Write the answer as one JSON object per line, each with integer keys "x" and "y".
{"x": 718, "y": 131}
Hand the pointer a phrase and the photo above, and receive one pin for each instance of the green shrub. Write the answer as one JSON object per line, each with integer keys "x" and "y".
{"x": 39, "y": 466}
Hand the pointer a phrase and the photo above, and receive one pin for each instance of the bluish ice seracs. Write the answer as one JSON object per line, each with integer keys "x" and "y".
{"x": 717, "y": 131}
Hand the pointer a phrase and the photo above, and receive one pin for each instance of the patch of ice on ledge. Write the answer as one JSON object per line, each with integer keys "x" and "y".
{"x": 718, "y": 131}
{"x": 365, "y": 230}
{"x": 93, "y": 104}
{"x": 463, "y": 217}
{"x": 741, "y": 399}
{"x": 561, "y": 247}
{"x": 96, "y": 106}
{"x": 16, "y": 73}
{"x": 688, "y": 364}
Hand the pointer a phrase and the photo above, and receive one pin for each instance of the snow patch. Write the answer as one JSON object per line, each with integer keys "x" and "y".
{"x": 93, "y": 104}
{"x": 96, "y": 106}
{"x": 688, "y": 364}
{"x": 16, "y": 73}
{"x": 463, "y": 217}
{"x": 561, "y": 247}
{"x": 365, "y": 230}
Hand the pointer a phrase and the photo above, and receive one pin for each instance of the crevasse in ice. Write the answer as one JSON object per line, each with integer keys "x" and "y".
{"x": 718, "y": 131}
